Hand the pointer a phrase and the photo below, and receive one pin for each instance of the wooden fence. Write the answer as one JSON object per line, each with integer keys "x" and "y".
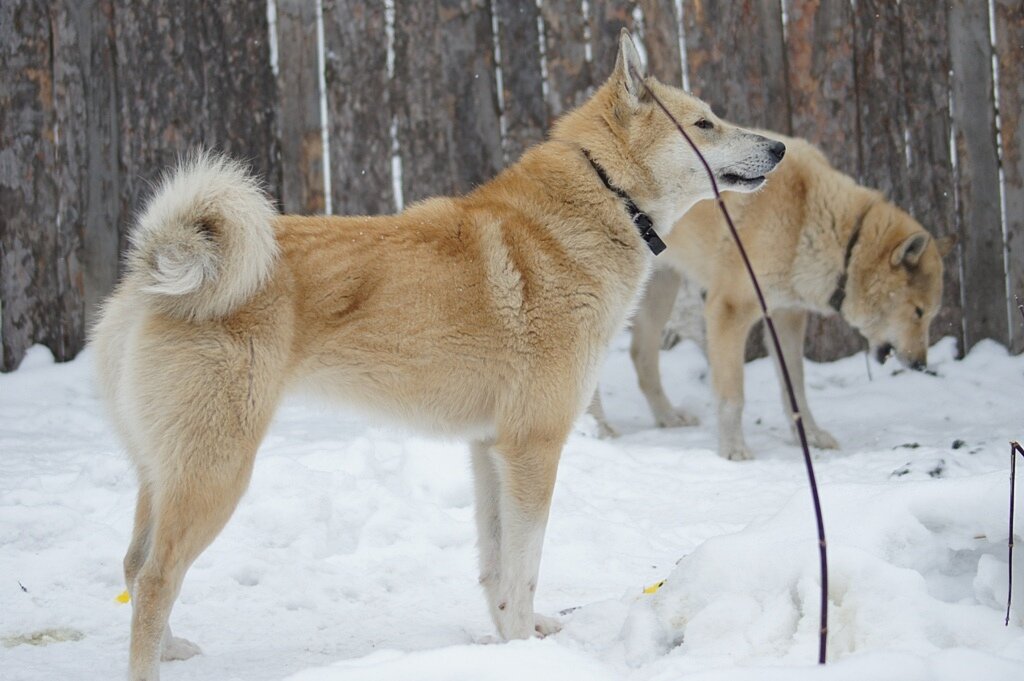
{"x": 362, "y": 106}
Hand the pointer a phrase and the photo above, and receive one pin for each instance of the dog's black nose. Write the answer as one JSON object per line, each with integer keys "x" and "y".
{"x": 918, "y": 365}
{"x": 778, "y": 150}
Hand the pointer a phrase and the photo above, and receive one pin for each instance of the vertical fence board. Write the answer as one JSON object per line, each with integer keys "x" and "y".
{"x": 607, "y": 19}
{"x": 298, "y": 92}
{"x": 880, "y": 117}
{"x": 984, "y": 277}
{"x": 661, "y": 40}
{"x": 821, "y": 79}
{"x": 192, "y": 76}
{"x": 160, "y": 94}
{"x": 526, "y": 116}
{"x": 930, "y": 170}
{"x": 359, "y": 115}
{"x": 71, "y": 30}
{"x": 28, "y": 192}
{"x": 102, "y": 227}
{"x": 240, "y": 91}
{"x": 1010, "y": 53}
{"x": 735, "y": 54}
{"x": 819, "y": 52}
{"x": 565, "y": 49}
{"x": 445, "y": 97}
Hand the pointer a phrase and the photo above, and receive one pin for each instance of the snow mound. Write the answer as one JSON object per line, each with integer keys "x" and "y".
{"x": 916, "y": 567}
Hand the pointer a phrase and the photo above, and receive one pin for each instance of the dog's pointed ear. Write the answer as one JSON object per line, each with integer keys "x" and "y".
{"x": 945, "y": 244}
{"x": 629, "y": 69}
{"x": 909, "y": 252}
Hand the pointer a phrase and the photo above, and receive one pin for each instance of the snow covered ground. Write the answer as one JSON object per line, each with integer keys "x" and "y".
{"x": 352, "y": 556}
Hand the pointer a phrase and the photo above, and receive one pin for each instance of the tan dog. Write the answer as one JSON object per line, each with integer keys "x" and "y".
{"x": 818, "y": 242}
{"x": 484, "y": 316}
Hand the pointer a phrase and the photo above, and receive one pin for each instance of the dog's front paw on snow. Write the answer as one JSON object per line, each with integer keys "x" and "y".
{"x": 175, "y": 648}
{"x": 822, "y": 439}
{"x": 736, "y": 453}
{"x": 545, "y": 626}
{"x": 676, "y": 418}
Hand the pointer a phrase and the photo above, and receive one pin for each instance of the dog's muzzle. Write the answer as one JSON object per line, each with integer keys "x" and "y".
{"x": 884, "y": 352}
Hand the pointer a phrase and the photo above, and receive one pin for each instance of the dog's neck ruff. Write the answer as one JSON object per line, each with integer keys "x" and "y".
{"x": 641, "y": 220}
{"x": 839, "y": 295}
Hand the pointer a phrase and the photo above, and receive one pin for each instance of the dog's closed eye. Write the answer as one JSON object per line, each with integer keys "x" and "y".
{"x": 704, "y": 124}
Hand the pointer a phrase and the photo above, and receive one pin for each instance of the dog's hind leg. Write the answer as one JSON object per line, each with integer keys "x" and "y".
{"x": 139, "y": 547}
{"x": 791, "y": 325}
{"x": 596, "y": 410}
{"x": 648, "y": 324}
{"x": 189, "y": 510}
{"x": 526, "y": 468}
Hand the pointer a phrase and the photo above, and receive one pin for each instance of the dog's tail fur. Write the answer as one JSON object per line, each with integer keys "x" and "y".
{"x": 205, "y": 243}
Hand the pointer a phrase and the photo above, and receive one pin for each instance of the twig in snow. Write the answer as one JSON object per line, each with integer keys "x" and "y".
{"x": 1015, "y": 449}
{"x": 793, "y": 406}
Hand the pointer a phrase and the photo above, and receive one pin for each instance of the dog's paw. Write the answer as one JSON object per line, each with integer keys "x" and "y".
{"x": 545, "y": 626}
{"x": 175, "y": 648}
{"x": 822, "y": 439}
{"x": 605, "y": 430}
{"x": 676, "y": 419}
{"x": 736, "y": 453}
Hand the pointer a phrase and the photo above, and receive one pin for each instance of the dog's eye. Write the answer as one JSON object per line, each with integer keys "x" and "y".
{"x": 919, "y": 312}
{"x": 704, "y": 124}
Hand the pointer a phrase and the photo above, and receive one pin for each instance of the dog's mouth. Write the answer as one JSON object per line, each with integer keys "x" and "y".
{"x": 884, "y": 352}
{"x": 735, "y": 180}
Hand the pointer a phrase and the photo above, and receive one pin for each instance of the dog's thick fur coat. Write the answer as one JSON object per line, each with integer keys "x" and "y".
{"x": 797, "y": 231}
{"x": 484, "y": 317}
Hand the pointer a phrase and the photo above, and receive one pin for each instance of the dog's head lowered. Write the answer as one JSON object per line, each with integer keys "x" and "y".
{"x": 895, "y": 284}
{"x": 644, "y": 153}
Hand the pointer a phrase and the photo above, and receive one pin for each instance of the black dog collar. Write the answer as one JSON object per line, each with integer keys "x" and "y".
{"x": 839, "y": 295}
{"x": 640, "y": 219}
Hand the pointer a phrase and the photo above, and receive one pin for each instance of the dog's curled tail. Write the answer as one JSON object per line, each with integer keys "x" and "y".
{"x": 205, "y": 242}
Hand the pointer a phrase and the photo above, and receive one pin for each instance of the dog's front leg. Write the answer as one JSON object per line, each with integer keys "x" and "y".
{"x": 525, "y": 468}
{"x": 648, "y": 325}
{"x": 488, "y": 522}
{"x": 791, "y": 326}
{"x": 728, "y": 324}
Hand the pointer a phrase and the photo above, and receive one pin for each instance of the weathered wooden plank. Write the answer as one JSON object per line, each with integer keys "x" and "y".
{"x": 192, "y": 74}
{"x": 298, "y": 118}
{"x": 881, "y": 119}
{"x": 931, "y": 199}
{"x": 359, "y": 115}
{"x": 735, "y": 54}
{"x": 526, "y": 116}
{"x": 445, "y": 97}
{"x": 607, "y": 19}
{"x": 566, "y": 55}
{"x": 661, "y": 40}
{"x": 71, "y": 30}
{"x": 1010, "y": 53}
{"x": 28, "y": 190}
{"x": 984, "y": 276}
{"x": 102, "y": 228}
{"x": 819, "y": 51}
{"x": 240, "y": 93}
